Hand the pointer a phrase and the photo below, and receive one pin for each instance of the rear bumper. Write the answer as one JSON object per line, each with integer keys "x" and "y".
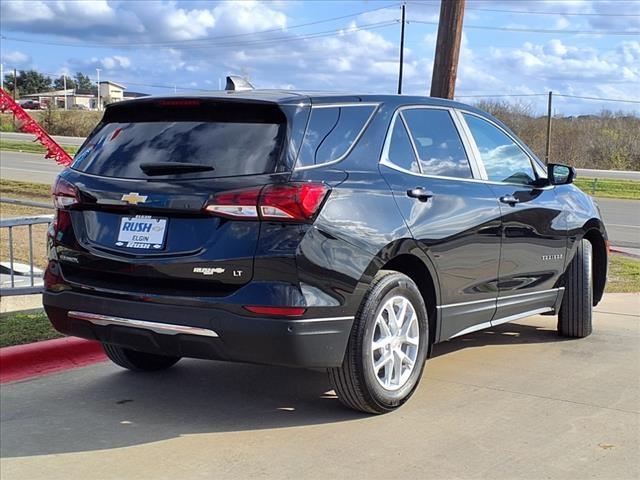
{"x": 199, "y": 332}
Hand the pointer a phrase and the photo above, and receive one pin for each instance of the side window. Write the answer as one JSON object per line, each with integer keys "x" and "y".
{"x": 331, "y": 132}
{"x": 438, "y": 144}
{"x": 503, "y": 159}
{"x": 400, "y": 151}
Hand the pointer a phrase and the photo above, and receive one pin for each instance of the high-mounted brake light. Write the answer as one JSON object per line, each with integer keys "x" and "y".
{"x": 294, "y": 202}
{"x": 64, "y": 194}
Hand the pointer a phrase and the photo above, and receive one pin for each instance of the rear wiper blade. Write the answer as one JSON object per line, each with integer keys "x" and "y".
{"x": 172, "y": 168}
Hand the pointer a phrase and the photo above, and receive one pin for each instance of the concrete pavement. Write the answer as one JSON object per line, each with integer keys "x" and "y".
{"x": 516, "y": 401}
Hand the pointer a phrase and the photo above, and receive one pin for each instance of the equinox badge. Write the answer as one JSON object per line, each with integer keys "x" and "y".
{"x": 207, "y": 270}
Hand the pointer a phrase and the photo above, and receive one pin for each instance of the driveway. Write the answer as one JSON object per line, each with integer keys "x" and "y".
{"x": 515, "y": 401}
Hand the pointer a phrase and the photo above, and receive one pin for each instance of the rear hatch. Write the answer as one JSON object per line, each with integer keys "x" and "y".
{"x": 143, "y": 179}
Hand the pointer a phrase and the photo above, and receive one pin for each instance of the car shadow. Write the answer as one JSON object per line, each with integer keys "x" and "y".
{"x": 505, "y": 334}
{"x": 103, "y": 407}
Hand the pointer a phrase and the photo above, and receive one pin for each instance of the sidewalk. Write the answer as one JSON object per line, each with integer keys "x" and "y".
{"x": 513, "y": 402}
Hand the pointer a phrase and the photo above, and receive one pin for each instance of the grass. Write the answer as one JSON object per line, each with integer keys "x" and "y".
{"x": 606, "y": 188}
{"x": 31, "y": 147}
{"x": 26, "y": 190}
{"x": 32, "y": 191}
{"x": 19, "y": 328}
{"x": 624, "y": 274}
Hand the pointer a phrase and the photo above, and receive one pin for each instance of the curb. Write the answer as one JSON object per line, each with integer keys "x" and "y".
{"x": 623, "y": 252}
{"x": 50, "y": 356}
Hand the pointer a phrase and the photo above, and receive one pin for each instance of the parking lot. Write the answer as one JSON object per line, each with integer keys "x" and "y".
{"x": 516, "y": 401}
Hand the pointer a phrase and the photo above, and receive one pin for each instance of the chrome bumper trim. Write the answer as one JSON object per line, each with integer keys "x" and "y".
{"x": 162, "y": 328}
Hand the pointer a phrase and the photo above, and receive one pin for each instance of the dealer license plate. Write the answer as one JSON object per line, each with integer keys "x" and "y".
{"x": 142, "y": 232}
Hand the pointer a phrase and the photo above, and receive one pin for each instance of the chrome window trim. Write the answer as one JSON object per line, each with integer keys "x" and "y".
{"x": 375, "y": 106}
{"x": 476, "y": 151}
{"x": 384, "y": 156}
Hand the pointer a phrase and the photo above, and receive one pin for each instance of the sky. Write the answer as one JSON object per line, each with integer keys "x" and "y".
{"x": 586, "y": 48}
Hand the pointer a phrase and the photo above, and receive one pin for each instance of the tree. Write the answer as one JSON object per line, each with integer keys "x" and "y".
{"x": 31, "y": 81}
{"x": 84, "y": 83}
{"x": 59, "y": 83}
{"x": 28, "y": 82}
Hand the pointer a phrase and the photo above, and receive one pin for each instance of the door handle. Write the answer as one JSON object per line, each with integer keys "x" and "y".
{"x": 510, "y": 199}
{"x": 420, "y": 193}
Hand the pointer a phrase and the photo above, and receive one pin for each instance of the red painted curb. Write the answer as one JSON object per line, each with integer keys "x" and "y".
{"x": 50, "y": 356}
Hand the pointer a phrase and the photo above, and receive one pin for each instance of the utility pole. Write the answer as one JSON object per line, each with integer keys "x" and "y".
{"x": 15, "y": 83}
{"x": 445, "y": 64}
{"x": 401, "y": 51}
{"x": 64, "y": 86}
{"x": 548, "y": 149}
{"x": 99, "y": 106}
{"x": 2, "y": 75}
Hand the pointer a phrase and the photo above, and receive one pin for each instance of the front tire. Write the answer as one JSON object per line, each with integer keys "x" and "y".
{"x": 575, "y": 317}
{"x": 387, "y": 348}
{"x": 138, "y": 361}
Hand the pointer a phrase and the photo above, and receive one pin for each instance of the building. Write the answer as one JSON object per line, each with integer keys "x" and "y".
{"x": 57, "y": 99}
{"x": 111, "y": 92}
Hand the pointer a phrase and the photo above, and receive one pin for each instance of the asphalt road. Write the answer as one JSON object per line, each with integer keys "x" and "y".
{"x": 612, "y": 174}
{"x": 28, "y": 167}
{"x": 27, "y": 137}
{"x": 622, "y": 219}
{"x": 621, "y": 216}
{"x": 513, "y": 402}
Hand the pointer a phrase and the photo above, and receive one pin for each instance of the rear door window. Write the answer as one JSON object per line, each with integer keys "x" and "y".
{"x": 232, "y": 142}
{"x": 437, "y": 142}
{"x": 331, "y": 132}
{"x": 400, "y": 151}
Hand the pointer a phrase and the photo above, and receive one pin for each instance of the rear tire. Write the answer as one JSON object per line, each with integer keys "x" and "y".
{"x": 138, "y": 361}
{"x": 387, "y": 347}
{"x": 575, "y": 317}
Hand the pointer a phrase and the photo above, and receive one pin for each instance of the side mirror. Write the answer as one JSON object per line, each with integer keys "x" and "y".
{"x": 560, "y": 174}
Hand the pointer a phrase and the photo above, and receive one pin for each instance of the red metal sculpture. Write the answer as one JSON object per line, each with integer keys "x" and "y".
{"x": 27, "y": 124}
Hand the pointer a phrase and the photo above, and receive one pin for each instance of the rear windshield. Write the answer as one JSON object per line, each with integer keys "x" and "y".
{"x": 233, "y": 139}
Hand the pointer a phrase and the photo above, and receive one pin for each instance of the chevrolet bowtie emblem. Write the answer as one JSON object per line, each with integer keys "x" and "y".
{"x": 134, "y": 198}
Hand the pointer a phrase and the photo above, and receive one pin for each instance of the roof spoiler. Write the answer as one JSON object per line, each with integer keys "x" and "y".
{"x": 235, "y": 82}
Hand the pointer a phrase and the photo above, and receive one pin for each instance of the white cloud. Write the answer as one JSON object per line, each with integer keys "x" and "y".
{"x": 15, "y": 58}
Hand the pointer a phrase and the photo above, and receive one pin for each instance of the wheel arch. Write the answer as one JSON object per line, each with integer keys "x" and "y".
{"x": 600, "y": 264}
{"x": 408, "y": 258}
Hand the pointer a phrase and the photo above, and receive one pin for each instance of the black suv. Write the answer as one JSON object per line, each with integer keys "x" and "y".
{"x": 347, "y": 232}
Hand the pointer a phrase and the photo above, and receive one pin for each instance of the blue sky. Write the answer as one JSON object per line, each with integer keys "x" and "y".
{"x": 151, "y": 46}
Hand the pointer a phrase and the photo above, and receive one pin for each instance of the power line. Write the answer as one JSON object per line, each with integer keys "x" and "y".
{"x": 541, "y": 30}
{"x": 515, "y": 95}
{"x": 204, "y": 39}
{"x": 598, "y": 98}
{"x": 502, "y": 95}
{"x": 571, "y": 14}
{"x": 253, "y": 42}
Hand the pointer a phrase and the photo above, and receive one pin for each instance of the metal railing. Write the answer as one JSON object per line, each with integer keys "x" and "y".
{"x": 16, "y": 281}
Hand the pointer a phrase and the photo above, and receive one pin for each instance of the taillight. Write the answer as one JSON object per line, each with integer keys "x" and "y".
{"x": 276, "y": 311}
{"x": 64, "y": 194}
{"x": 295, "y": 202}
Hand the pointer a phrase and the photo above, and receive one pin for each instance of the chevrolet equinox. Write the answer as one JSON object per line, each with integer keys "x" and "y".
{"x": 337, "y": 231}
